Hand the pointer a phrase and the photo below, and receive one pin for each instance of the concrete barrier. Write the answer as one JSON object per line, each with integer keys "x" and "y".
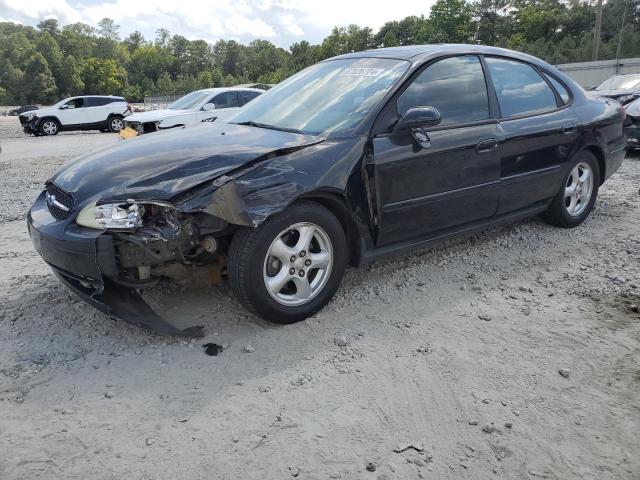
{"x": 591, "y": 74}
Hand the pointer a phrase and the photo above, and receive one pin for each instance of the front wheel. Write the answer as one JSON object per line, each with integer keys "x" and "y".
{"x": 49, "y": 127}
{"x": 115, "y": 124}
{"x": 577, "y": 195}
{"x": 290, "y": 267}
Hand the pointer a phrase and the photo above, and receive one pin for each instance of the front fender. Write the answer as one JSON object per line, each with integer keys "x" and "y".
{"x": 250, "y": 196}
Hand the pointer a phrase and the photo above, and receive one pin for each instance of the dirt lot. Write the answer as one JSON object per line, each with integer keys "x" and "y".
{"x": 458, "y": 349}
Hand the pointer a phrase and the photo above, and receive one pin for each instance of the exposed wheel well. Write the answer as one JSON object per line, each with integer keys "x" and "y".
{"x": 49, "y": 117}
{"x": 338, "y": 206}
{"x": 599, "y": 154}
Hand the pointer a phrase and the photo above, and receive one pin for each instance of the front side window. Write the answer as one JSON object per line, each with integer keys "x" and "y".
{"x": 75, "y": 103}
{"x": 225, "y": 100}
{"x": 189, "y": 101}
{"x": 454, "y": 86}
{"x": 327, "y": 98}
{"x": 520, "y": 89}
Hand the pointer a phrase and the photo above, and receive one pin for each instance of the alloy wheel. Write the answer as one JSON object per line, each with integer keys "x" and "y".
{"x": 49, "y": 127}
{"x": 579, "y": 188}
{"x": 116, "y": 124}
{"x": 298, "y": 264}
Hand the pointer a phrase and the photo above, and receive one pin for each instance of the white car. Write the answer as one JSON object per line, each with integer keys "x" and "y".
{"x": 211, "y": 104}
{"x": 84, "y": 112}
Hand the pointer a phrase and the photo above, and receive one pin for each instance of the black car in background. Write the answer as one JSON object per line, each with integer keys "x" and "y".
{"x": 624, "y": 88}
{"x": 358, "y": 156}
{"x": 25, "y": 108}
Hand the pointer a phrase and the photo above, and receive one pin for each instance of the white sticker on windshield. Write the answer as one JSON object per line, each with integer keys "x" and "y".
{"x": 362, "y": 72}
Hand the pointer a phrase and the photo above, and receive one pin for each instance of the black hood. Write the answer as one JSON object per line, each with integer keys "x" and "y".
{"x": 161, "y": 165}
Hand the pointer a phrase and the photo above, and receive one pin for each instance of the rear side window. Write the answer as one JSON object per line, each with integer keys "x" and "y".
{"x": 561, "y": 89}
{"x": 97, "y": 102}
{"x": 520, "y": 89}
{"x": 225, "y": 100}
{"x": 246, "y": 96}
{"x": 101, "y": 101}
{"x": 455, "y": 86}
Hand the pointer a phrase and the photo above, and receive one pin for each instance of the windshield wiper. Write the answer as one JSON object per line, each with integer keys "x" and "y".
{"x": 251, "y": 123}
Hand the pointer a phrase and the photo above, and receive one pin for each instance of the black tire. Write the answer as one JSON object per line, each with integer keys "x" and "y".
{"x": 49, "y": 126}
{"x": 247, "y": 262}
{"x": 115, "y": 123}
{"x": 558, "y": 214}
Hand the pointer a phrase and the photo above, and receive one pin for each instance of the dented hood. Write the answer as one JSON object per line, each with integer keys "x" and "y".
{"x": 165, "y": 164}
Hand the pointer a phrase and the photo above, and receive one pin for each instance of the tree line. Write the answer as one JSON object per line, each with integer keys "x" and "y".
{"x": 49, "y": 62}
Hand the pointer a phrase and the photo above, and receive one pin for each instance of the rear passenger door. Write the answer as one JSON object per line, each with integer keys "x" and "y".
{"x": 98, "y": 109}
{"x": 540, "y": 131}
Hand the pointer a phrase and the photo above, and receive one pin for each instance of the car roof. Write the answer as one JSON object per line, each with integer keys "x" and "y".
{"x": 419, "y": 53}
{"x": 228, "y": 89}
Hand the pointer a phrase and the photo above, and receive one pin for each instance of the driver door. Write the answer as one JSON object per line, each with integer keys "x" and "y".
{"x": 438, "y": 186}
{"x": 74, "y": 112}
{"x": 226, "y": 103}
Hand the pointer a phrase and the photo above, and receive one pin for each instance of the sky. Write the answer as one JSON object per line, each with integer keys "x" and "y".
{"x": 283, "y": 22}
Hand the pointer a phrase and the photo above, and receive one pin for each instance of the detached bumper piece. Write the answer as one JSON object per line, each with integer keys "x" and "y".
{"x": 632, "y": 131}
{"x": 123, "y": 303}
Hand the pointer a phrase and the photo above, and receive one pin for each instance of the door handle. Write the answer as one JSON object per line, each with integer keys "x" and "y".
{"x": 487, "y": 145}
{"x": 569, "y": 127}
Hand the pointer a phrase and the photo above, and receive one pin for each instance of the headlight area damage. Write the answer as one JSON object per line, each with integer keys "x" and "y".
{"x": 128, "y": 244}
{"x": 135, "y": 243}
{"x": 29, "y": 122}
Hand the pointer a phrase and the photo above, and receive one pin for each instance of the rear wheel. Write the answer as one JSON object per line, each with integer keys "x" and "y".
{"x": 49, "y": 126}
{"x": 116, "y": 124}
{"x": 290, "y": 267}
{"x": 578, "y": 193}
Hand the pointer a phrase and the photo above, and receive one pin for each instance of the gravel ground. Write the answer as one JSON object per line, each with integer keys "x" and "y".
{"x": 511, "y": 354}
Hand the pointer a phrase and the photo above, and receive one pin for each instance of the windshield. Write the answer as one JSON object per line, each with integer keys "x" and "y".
{"x": 620, "y": 82}
{"x": 327, "y": 97}
{"x": 189, "y": 101}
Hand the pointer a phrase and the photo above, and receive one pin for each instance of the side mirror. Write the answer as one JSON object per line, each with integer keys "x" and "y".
{"x": 64, "y": 107}
{"x": 209, "y": 107}
{"x": 418, "y": 117}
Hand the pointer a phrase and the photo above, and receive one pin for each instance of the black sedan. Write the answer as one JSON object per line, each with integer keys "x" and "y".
{"x": 358, "y": 156}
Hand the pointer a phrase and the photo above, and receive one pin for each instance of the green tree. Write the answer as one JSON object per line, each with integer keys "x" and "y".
{"x": 69, "y": 77}
{"x": 103, "y": 76}
{"x": 451, "y": 21}
{"x": 39, "y": 86}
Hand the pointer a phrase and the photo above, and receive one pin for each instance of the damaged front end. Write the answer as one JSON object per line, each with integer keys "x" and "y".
{"x": 29, "y": 122}
{"x": 152, "y": 217}
{"x": 631, "y": 129}
{"x": 113, "y": 250}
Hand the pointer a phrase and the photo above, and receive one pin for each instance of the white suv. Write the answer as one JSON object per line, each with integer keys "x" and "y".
{"x": 211, "y": 104}
{"x": 87, "y": 112}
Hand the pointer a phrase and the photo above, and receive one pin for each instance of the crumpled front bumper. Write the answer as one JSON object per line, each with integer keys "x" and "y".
{"x": 29, "y": 127}
{"x": 84, "y": 260}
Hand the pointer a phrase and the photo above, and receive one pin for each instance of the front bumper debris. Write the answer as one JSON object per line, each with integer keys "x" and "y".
{"x": 632, "y": 131}
{"x": 29, "y": 126}
{"x": 84, "y": 260}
